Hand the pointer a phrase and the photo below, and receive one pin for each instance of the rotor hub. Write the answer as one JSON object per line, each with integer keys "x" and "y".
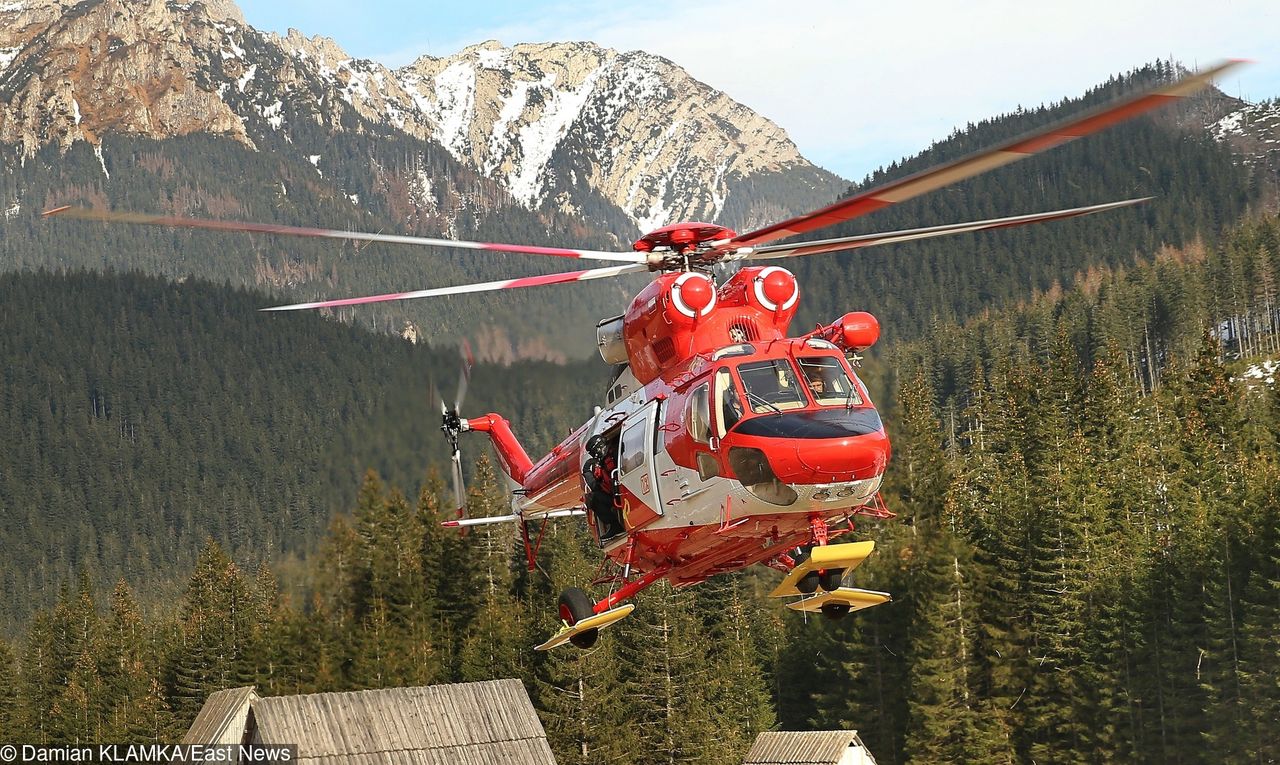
{"x": 680, "y": 237}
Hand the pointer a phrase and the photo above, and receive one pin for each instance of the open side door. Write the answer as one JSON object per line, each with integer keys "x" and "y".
{"x": 637, "y": 480}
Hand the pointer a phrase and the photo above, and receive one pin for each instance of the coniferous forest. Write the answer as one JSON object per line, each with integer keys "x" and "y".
{"x": 1086, "y": 426}
{"x": 1086, "y": 566}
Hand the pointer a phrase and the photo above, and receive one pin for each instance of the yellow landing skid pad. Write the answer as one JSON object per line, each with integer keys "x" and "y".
{"x": 856, "y": 600}
{"x": 847, "y": 556}
{"x": 599, "y": 621}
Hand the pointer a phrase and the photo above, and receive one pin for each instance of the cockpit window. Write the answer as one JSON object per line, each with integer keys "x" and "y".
{"x": 828, "y": 382}
{"x": 730, "y": 407}
{"x": 698, "y": 415}
{"x": 742, "y": 349}
{"x": 771, "y": 386}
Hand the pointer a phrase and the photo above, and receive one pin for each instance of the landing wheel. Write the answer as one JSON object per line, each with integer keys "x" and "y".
{"x": 576, "y": 605}
{"x": 808, "y": 584}
{"x": 831, "y": 579}
{"x": 835, "y": 611}
{"x": 585, "y": 639}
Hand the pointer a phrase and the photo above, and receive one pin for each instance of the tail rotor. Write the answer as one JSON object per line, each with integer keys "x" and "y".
{"x": 452, "y": 425}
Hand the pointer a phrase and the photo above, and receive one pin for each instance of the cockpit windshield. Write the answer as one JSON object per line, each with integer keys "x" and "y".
{"x": 771, "y": 386}
{"x": 828, "y": 382}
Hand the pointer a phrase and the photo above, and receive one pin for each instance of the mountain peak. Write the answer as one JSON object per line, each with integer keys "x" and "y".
{"x": 571, "y": 127}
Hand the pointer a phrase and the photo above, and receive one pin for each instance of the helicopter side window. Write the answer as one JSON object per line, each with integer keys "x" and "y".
{"x": 698, "y": 414}
{"x": 828, "y": 382}
{"x": 771, "y": 386}
{"x": 730, "y": 406}
{"x": 632, "y": 448}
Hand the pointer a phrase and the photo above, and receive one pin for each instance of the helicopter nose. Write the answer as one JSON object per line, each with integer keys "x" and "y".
{"x": 847, "y": 459}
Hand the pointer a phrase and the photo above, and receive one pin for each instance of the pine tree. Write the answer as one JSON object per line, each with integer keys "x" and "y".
{"x": 1257, "y": 737}
{"x": 9, "y": 730}
{"x": 738, "y": 688}
{"x": 129, "y": 662}
{"x": 578, "y": 691}
{"x": 663, "y": 657}
{"x": 220, "y": 616}
{"x": 40, "y": 683}
{"x": 946, "y": 715}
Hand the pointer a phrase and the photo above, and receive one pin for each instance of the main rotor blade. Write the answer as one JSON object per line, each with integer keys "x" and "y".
{"x": 81, "y": 213}
{"x": 943, "y": 175}
{"x": 506, "y": 284}
{"x": 891, "y": 237}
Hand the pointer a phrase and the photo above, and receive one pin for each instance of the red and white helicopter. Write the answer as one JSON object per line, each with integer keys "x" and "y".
{"x": 723, "y": 442}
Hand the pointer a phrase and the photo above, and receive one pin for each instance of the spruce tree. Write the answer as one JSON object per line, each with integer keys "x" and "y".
{"x": 946, "y": 714}
{"x": 9, "y": 730}
{"x": 579, "y": 692}
{"x": 220, "y": 616}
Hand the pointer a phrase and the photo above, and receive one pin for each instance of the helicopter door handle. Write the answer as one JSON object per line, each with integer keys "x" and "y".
{"x": 714, "y": 444}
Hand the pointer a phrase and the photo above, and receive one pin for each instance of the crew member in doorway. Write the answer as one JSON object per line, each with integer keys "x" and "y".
{"x": 602, "y": 497}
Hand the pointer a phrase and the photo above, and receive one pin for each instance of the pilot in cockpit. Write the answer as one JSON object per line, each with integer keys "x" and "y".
{"x": 817, "y": 382}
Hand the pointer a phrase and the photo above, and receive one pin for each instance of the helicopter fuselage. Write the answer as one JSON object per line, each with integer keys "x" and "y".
{"x": 732, "y": 441}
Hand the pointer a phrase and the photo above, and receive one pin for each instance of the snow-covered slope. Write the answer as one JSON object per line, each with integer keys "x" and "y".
{"x": 1254, "y": 131}
{"x": 619, "y": 139}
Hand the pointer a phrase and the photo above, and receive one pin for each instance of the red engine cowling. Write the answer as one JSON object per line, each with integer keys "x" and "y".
{"x": 660, "y": 325}
{"x": 769, "y": 289}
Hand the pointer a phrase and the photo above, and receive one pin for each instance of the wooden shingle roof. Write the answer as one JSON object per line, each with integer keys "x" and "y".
{"x": 823, "y": 747}
{"x": 486, "y": 723}
{"x": 222, "y": 718}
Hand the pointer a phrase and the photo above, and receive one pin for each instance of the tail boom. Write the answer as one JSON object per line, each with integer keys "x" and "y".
{"x": 553, "y": 483}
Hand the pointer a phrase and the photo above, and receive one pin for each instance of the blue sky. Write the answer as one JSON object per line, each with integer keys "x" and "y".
{"x": 855, "y": 84}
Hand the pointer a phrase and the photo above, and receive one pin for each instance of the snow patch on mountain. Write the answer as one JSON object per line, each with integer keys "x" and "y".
{"x": 273, "y": 114}
{"x": 246, "y": 77}
{"x": 512, "y": 107}
{"x": 7, "y": 55}
{"x": 538, "y": 140}
{"x": 97, "y": 152}
{"x": 494, "y": 58}
{"x": 1253, "y": 131}
{"x": 453, "y": 106}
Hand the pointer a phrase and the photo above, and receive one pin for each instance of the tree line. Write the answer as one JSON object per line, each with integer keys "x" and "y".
{"x": 1086, "y": 565}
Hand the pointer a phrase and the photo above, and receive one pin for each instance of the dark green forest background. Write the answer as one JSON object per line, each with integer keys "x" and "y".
{"x": 1085, "y": 566}
{"x": 1086, "y": 563}
{"x": 142, "y": 416}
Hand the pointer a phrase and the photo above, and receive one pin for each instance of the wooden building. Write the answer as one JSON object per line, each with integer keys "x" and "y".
{"x": 821, "y": 747}
{"x": 487, "y": 723}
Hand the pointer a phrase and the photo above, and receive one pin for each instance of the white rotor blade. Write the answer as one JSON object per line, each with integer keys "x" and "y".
{"x": 891, "y": 237}
{"x": 459, "y": 488}
{"x": 914, "y": 185}
{"x": 464, "y": 375}
{"x": 464, "y": 522}
{"x": 327, "y": 233}
{"x": 505, "y": 284}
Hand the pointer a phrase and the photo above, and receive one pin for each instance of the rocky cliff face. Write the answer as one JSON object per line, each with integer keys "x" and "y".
{"x": 547, "y": 119}
{"x": 570, "y": 127}
{"x": 78, "y": 71}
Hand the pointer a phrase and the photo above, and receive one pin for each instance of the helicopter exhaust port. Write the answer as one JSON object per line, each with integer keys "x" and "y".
{"x": 610, "y": 342}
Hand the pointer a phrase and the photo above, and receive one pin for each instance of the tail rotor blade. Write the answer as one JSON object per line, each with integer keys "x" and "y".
{"x": 464, "y": 375}
{"x": 459, "y": 488}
